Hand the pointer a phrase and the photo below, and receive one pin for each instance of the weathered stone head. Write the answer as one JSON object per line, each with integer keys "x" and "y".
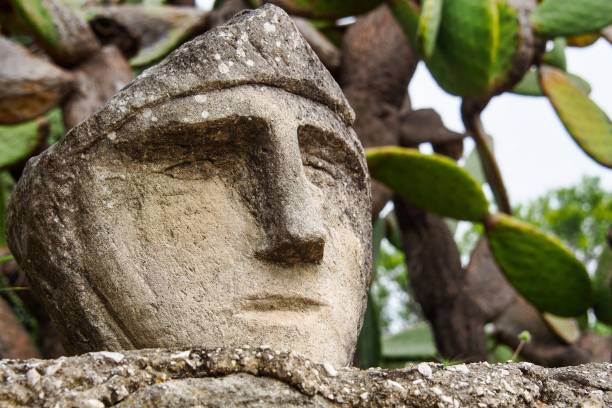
{"x": 219, "y": 199}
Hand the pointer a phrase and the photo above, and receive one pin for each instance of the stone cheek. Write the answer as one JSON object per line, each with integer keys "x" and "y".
{"x": 206, "y": 208}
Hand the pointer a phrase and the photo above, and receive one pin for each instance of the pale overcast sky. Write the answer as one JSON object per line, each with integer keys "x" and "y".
{"x": 535, "y": 152}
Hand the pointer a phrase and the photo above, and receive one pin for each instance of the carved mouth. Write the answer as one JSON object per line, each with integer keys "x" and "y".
{"x": 273, "y": 303}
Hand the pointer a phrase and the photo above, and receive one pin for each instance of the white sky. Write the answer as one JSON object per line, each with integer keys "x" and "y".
{"x": 534, "y": 151}
{"x": 205, "y": 4}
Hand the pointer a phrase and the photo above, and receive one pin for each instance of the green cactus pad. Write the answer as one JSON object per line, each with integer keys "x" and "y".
{"x": 17, "y": 142}
{"x": 432, "y": 182}
{"x": 508, "y": 44}
{"x": 539, "y": 267}
{"x": 406, "y": 14}
{"x": 59, "y": 30}
{"x": 156, "y": 51}
{"x": 429, "y": 23}
{"x": 530, "y": 84}
{"x": 584, "y": 120}
{"x": 38, "y": 16}
{"x": 182, "y": 24}
{"x": 466, "y": 47}
{"x": 369, "y": 341}
{"x": 325, "y": 8}
{"x": 555, "y": 18}
{"x": 602, "y": 287}
{"x": 475, "y": 45}
{"x": 556, "y": 56}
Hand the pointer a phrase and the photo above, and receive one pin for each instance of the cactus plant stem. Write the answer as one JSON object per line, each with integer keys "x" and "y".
{"x": 470, "y": 113}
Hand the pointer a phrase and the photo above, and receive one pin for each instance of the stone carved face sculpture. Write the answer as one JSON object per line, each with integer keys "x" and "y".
{"x": 220, "y": 199}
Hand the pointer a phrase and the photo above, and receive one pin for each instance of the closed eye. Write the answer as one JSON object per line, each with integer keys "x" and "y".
{"x": 319, "y": 164}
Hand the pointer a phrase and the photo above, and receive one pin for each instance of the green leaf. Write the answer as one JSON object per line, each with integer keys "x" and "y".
{"x": 530, "y": 84}
{"x": 181, "y": 23}
{"x": 429, "y": 23}
{"x": 555, "y": 18}
{"x": 584, "y": 120}
{"x": 63, "y": 34}
{"x": 508, "y": 44}
{"x": 602, "y": 287}
{"x": 17, "y": 142}
{"x": 160, "y": 28}
{"x": 432, "y": 182}
{"x": 467, "y": 45}
{"x": 406, "y": 14}
{"x": 156, "y": 51}
{"x": 38, "y": 17}
{"x": 556, "y": 56}
{"x": 415, "y": 343}
{"x": 539, "y": 267}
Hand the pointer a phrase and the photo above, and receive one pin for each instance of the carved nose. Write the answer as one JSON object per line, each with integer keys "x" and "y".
{"x": 295, "y": 242}
{"x": 294, "y": 228}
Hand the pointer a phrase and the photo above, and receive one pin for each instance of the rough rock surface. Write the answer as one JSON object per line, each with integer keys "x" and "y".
{"x": 96, "y": 81}
{"x": 263, "y": 377}
{"x": 29, "y": 85}
{"x": 221, "y": 198}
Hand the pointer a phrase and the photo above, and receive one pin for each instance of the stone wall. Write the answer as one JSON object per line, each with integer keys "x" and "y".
{"x": 263, "y": 377}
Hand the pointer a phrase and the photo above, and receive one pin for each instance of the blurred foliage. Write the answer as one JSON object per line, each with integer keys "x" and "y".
{"x": 411, "y": 344}
{"x": 392, "y": 278}
{"x": 580, "y": 215}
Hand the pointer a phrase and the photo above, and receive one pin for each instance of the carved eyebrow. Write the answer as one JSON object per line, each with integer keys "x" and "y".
{"x": 338, "y": 136}
{"x": 194, "y": 113}
{"x": 330, "y": 147}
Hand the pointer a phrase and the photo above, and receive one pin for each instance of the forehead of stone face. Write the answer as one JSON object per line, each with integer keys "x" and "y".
{"x": 260, "y": 47}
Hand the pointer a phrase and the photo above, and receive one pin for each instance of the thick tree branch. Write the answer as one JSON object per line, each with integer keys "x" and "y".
{"x": 470, "y": 112}
{"x": 438, "y": 282}
{"x": 377, "y": 65}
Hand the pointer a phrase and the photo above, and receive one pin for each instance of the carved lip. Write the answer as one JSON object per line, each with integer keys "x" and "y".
{"x": 287, "y": 303}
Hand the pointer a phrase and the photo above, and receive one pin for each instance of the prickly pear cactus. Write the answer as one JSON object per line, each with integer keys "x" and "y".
{"x": 539, "y": 267}
{"x": 429, "y": 24}
{"x": 602, "y": 287}
{"x": 18, "y": 141}
{"x": 553, "y": 18}
{"x": 432, "y": 182}
{"x": 468, "y": 45}
{"x": 584, "y": 120}
{"x": 65, "y": 36}
{"x": 530, "y": 84}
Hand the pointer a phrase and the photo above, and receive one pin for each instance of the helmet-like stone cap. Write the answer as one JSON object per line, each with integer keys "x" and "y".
{"x": 258, "y": 47}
